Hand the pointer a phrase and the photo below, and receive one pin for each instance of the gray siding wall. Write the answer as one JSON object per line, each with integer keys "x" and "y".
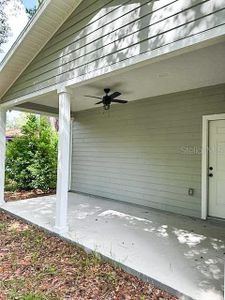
{"x": 145, "y": 152}
{"x": 104, "y": 32}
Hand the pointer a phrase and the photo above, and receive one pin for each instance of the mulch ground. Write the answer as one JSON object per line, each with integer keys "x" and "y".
{"x": 22, "y": 195}
{"x": 38, "y": 266}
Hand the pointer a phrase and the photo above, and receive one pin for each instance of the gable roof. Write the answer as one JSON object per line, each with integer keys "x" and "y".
{"x": 48, "y": 19}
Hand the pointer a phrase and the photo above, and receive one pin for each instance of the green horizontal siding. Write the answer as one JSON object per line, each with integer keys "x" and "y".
{"x": 104, "y": 32}
{"x": 137, "y": 153}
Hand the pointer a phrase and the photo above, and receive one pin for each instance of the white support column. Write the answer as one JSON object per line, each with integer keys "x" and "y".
{"x": 2, "y": 153}
{"x": 61, "y": 224}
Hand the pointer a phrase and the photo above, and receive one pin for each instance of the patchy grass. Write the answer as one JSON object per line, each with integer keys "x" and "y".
{"x": 37, "y": 266}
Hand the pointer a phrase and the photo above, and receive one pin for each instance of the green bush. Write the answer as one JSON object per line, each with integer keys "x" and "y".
{"x": 31, "y": 159}
{"x": 10, "y": 186}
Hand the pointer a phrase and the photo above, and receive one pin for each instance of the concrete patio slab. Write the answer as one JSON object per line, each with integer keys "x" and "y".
{"x": 181, "y": 253}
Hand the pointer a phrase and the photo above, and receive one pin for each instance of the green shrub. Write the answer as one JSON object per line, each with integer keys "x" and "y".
{"x": 10, "y": 186}
{"x": 31, "y": 159}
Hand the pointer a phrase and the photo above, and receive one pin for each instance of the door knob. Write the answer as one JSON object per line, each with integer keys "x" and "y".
{"x": 210, "y": 168}
{"x": 210, "y": 175}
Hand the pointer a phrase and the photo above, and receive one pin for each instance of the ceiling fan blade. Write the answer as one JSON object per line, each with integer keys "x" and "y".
{"x": 119, "y": 101}
{"x": 99, "y": 102}
{"x": 115, "y": 95}
{"x": 93, "y": 97}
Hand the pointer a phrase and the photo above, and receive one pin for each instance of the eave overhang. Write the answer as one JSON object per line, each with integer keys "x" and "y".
{"x": 48, "y": 19}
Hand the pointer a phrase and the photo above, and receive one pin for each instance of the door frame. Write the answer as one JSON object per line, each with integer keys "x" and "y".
{"x": 205, "y": 161}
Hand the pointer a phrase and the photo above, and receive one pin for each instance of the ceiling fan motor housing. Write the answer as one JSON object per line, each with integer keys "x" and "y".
{"x": 107, "y": 91}
{"x": 106, "y": 102}
{"x": 108, "y": 99}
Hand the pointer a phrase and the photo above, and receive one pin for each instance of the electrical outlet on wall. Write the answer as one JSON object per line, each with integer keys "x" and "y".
{"x": 190, "y": 192}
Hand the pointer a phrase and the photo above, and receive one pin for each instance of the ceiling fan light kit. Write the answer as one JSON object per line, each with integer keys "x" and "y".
{"x": 107, "y": 99}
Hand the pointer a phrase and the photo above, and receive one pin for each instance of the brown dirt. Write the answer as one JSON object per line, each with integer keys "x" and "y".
{"x": 22, "y": 195}
{"x": 37, "y": 266}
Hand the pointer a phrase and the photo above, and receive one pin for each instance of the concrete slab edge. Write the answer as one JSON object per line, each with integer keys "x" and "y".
{"x": 115, "y": 263}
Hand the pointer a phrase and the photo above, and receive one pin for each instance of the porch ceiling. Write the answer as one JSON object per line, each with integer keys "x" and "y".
{"x": 196, "y": 69}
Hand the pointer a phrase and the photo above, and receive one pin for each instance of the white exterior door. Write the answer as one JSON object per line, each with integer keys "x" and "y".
{"x": 216, "y": 170}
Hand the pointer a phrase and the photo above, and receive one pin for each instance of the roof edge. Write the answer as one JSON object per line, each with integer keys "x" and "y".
{"x": 8, "y": 75}
{"x": 24, "y": 32}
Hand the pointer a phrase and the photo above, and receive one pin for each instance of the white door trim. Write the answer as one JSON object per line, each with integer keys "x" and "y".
{"x": 71, "y": 151}
{"x": 205, "y": 161}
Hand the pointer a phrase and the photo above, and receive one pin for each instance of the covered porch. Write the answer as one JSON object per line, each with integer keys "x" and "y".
{"x": 146, "y": 153}
{"x": 181, "y": 254}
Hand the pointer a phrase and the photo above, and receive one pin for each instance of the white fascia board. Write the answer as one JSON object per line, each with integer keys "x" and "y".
{"x": 24, "y": 33}
{"x": 9, "y": 69}
{"x": 192, "y": 43}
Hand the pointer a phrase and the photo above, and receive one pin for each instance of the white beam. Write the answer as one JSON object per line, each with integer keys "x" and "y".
{"x": 2, "y": 153}
{"x": 61, "y": 224}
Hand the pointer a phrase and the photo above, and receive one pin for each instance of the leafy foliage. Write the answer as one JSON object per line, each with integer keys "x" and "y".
{"x": 31, "y": 160}
{"x": 4, "y": 27}
{"x": 31, "y": 11}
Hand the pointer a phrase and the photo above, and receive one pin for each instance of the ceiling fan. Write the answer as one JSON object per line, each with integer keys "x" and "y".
{"x": 107, "y": 99}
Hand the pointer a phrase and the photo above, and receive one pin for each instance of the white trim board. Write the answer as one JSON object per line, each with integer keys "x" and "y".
{"x": 71, "y": 149}
{"x": 45, "y": 23}
{"x": 205, "y": 161}
{"x": 187, "y": 45}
